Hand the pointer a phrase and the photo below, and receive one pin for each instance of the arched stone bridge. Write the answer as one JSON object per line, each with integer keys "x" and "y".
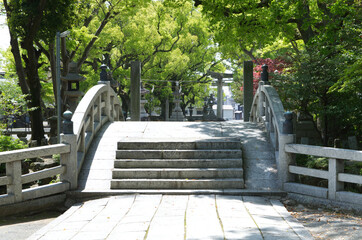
{"x": 200, "y": 179}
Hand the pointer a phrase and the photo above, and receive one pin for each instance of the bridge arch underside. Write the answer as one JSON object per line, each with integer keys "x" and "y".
{"x": 258, "y": 164}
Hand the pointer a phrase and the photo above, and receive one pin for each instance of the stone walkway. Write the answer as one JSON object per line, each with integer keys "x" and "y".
{"x": 157, "y": 217}
{"x": 172, "y": 217}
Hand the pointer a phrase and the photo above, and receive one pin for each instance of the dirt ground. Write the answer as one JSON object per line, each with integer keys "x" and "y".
{"x": 328, "y": 224}
{"x": 22, "y": 227}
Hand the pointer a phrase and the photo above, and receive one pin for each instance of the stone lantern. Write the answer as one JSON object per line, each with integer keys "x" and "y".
{"x": 143, "y": 114}
{"x": 72, "y": 92}
{"x": 177, "y": 114}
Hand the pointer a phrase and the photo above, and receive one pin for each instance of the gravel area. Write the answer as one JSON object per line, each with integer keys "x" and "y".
{"x": 325, "y": 223}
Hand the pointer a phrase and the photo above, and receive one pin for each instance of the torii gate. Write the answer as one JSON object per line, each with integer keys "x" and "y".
{"x": 220, "y": 98}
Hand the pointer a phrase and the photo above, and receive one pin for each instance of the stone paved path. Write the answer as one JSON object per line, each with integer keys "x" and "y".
{"x": 172, "y": 217}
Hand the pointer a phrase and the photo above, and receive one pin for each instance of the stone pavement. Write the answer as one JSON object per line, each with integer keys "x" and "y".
{"x": 173, "y": 217}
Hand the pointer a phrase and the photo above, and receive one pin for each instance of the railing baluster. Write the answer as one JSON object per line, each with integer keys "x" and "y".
{"x": 82, "y": 141}
{"x": 112, "y": 107}
{"x": 99, "y": 113}
{"x": 90, "y": 127}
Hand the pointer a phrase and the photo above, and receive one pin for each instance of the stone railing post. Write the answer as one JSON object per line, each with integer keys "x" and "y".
{"x": 335, "y": 166}
{"x": 69, "y": 160}
{"x": 13, "y": 170}
{"x": 108, "y": 102}
{"x": 265, "y": 75}
{"x": 261, "y": 100}
{"x": 285, "y": 159}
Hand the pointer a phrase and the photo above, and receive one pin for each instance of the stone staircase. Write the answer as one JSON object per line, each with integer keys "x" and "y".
{"x": 214, "y": 164}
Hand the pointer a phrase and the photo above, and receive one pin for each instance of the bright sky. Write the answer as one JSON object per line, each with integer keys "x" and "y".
{"x": 4, "y": 34}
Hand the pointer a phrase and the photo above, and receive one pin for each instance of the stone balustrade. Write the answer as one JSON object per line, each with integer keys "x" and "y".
{"x": 14, "y": 178}
{"x": 267, "y": 108}
{"x": 335, "y": 174}
{"x": 99, "y": 106}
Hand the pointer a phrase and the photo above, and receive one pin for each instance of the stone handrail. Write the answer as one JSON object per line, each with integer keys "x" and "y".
{"x": 98, "y": 106}
{"x": 267, "y": 108}
{"x": 14, "y": 178}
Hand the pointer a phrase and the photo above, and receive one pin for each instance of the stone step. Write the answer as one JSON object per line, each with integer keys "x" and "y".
{"x": 177, "y": 173}
{"x": 184, "y": 145}
{"x": 179, "y": 163}
{"x": 82, "y": 195}
{"x": 226, "y": 183}
{"x": 178, "y": 154}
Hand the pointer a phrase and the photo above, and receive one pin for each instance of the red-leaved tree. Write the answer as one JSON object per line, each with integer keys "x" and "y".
{"x": 274, "y": 66}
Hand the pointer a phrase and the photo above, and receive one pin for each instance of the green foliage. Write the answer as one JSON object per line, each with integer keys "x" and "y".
{"x": 173, "y": 43}
{"x": 12, "y": 101}
{"x": 54, "y": 15}
{"x": 8, "y": 143}
{"x": 56, "y": 157}
{"x": 312, "y": 162}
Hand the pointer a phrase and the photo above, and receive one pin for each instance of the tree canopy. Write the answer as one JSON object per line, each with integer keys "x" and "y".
{"x": 318, "y": 42}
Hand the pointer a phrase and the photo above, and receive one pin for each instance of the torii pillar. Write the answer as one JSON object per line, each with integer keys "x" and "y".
{"x": 220, "y": 98}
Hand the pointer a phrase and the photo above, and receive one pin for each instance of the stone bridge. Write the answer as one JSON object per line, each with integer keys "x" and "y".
{"x": 214, "y": 176}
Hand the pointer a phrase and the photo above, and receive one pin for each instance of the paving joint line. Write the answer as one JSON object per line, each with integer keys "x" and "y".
{"x": 261, "y": 233}
{"x": 185, "y": 222}
{"x": 149, "y": 225}
{"x": 129, "y": 209}
{"x": 218, "y": 216}
{"x": 80, "y": 230}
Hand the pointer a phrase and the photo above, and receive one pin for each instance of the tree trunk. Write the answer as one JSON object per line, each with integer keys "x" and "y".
{"x": 36, "y": 116}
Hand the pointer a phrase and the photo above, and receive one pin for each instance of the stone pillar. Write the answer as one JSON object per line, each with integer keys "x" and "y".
{"x": 248, "y": 89}
{"x": 220, "y": 98}
{"x": 135, "y": 90}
